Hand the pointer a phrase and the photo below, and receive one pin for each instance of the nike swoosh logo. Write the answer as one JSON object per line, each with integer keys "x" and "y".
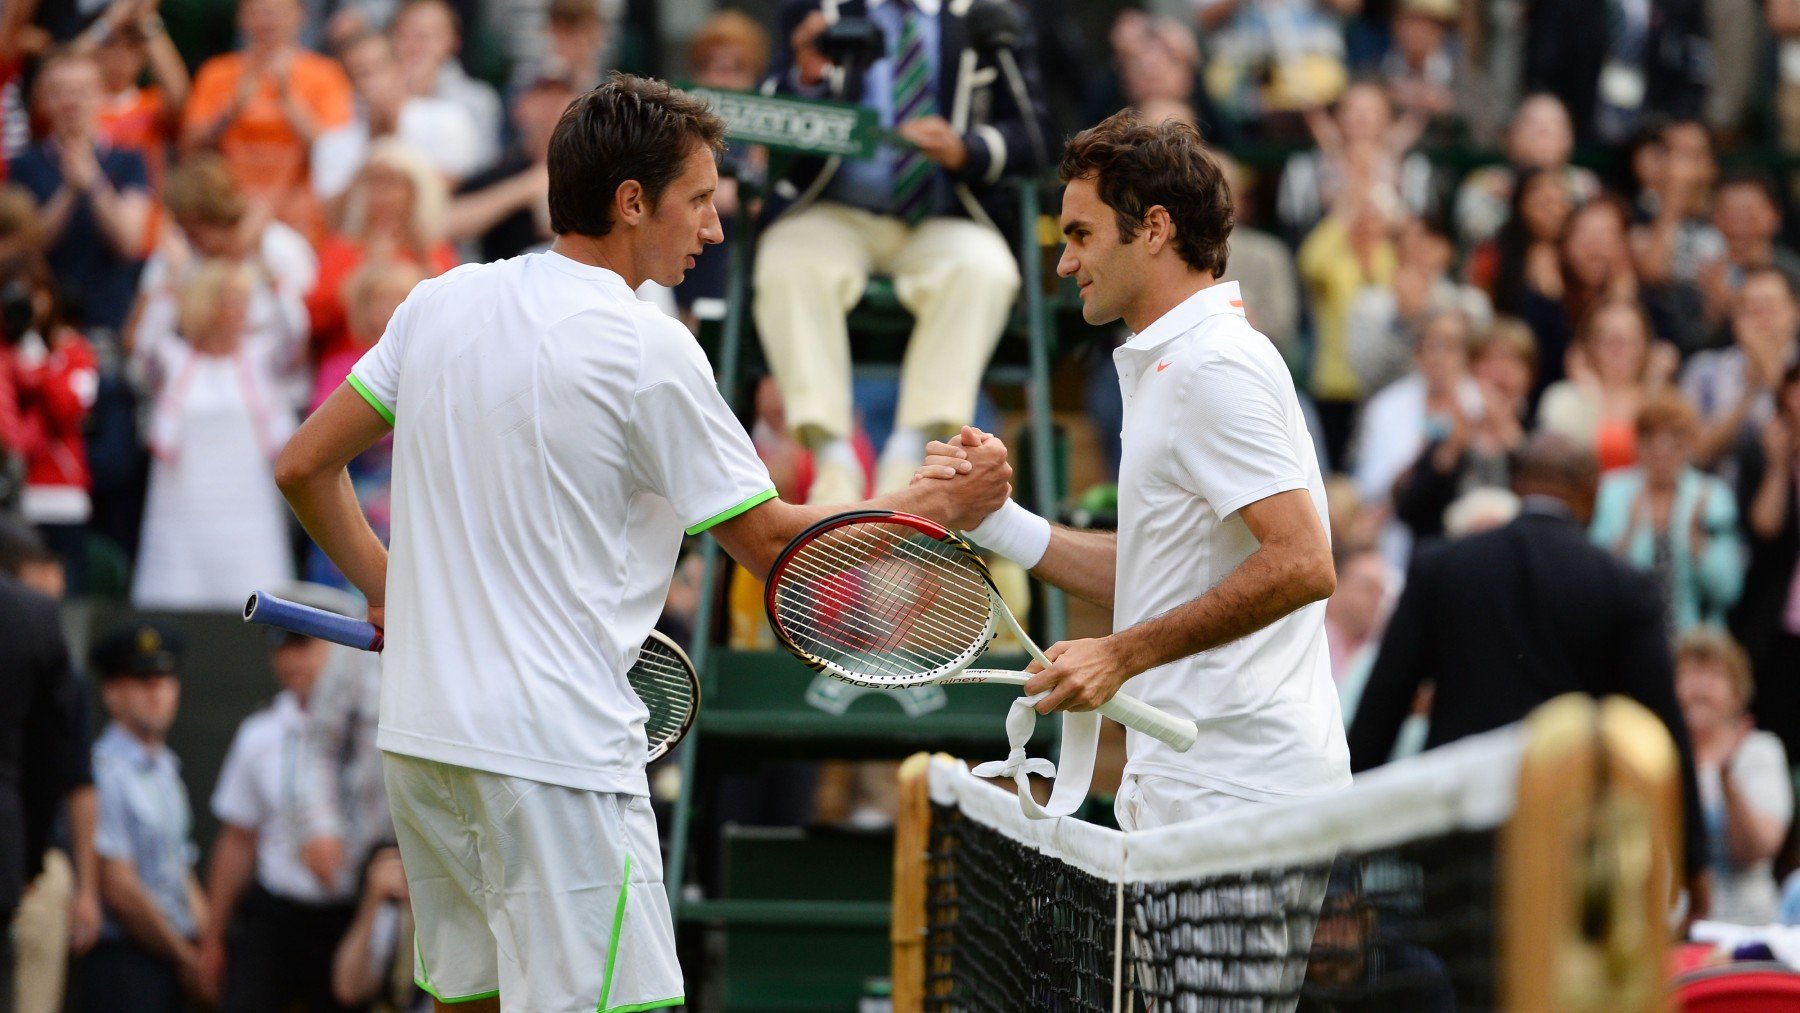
{"x": 1162, "y": 366}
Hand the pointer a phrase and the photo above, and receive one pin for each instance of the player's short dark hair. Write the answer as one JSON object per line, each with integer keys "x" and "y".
{"x": 1137, "y": 166}
{"x": 628, "y": 128}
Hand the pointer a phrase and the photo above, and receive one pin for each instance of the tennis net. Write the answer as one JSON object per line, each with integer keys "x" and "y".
{"x": 1387, "y": 896}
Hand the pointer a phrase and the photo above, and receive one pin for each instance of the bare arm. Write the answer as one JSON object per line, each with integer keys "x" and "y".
{"x": 1083, "y": 563}
{"x": 1768, "y": 509}
{"x": 229, "y": 873}
{"x": 1751, "y": 835}
{"x": 123, "y": 215}
{"x": 1290, "y": 568}
{"x": 474, "y": 213}
{"x": 138, "y": 915}
{"x": 355, "y": 980}
{"x": 310, "y": 473}
{"x": 84, "y": 814}
{"x": 54, "y": 216}
{"x": 169, "y": 71}
{"x": 1784, "y": 17}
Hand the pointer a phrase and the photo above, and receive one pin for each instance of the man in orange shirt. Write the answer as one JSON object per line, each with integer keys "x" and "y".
{"x": 263, "y": 107}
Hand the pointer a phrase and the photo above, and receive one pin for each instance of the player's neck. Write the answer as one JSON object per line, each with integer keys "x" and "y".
{"x": 608, "y": 251}
{"x": 1162, "y": 296}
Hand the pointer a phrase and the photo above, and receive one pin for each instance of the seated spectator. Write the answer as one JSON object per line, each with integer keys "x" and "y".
{"x": 1670, "y": 518}
{"x": 375, "y": 959}
{"x": 1263, "y": 267}
{"x": 439, "y": 130}
{"x": 1539, "y": 139}
{"x": 505, "y": 211}
{"x": 146, "y": 959}
{"x": 1767, "y": 619}
{"x": 94, "y": 200}
{"x": 1734, "y": 388}
{"x": 1349, "y": 251}
{"x": 1361, "y": 151}
{"x": 1273, "y": 56}
{"x": 1521, "y": 267}
{"x": 372, "y": 295}
{"x": 427, "y": 36}
{"x": 393, "y": 211}
{"x": 1614, "y": 367}
{"x": 925, "y": 215}
{"x": 263, "y": 107}
{"x": 1746, "y": 794}
{"x": 1595, "y": 262}
{"x": 1477, "y": 452}
{"x": 217, "y": 421}
{"x": 125, "y": 41}
{"x": 54, "y": 377}
{"x": 1379, "y": 336}
{"x": 1422, "y": 72}
{"x": 1407, "y": 415}
{"x": 1674, "y": 245}
{"x": 1747, "y": 215}
{"x": 275, "y": 926}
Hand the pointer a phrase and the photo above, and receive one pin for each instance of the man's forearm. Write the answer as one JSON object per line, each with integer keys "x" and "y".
{"x": 138, "y": 914}
{"x": 327, "y": 508}
{"x": 1083, "y": 563}
{"x": 1265, "y": 587}
{"x": 233, "y": 865}
{"x": 84, "y": 815}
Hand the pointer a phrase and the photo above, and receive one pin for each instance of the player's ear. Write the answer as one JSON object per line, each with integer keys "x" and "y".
{"x": 629, "y": 205}
{"x": 1158, "y": 228}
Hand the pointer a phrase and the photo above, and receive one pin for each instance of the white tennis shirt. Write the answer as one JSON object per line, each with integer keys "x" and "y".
{"x": 553, "y": 437}
{"x": 1212, "y": 424}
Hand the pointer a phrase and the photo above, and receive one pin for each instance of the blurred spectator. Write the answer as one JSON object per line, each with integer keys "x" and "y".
{"x": 93, "y": 199}
{"x": 1767, "y": 620}
{"x": 1675, "y": 246}
{"x": 54, "y": 379}
{"x": 728, "y": 51}
{"x": 375, "y": 959}
{"x": 1379, "y": 337}
{"x": 1422, "y": 73}
{"x": 427, "y": 35}
{"x": 373, "y": 293}
{"x": 146, "y": 959}
{"x": 1614, "y": 65}
{"x": 1270, "y": 56}
{"x": 1263, "y": 267}
{"x": 1734, "y": 388}
{"x": 1746, "y": 791}
{"x": 217, "y": 420}
{"x": 1539, "y": 139}
{"x": 1362, "y": 154}
{"x": 1156, "y": 59}
{"x": 1784, "y": 23}
{"x": 1522, "y": 265}
{"x": 1425, "y": 406}
{"x": 1673, "y": 520}
{"x": 1354, "y": 615}
{"x": 264, "y": 106}
{"x": 576, "y": 44}
{"x": 1476, "y": 454}
{"x": 134, "y": 116}
{"x": 1614, "y": 367}
{"x": 1595, "y": 262}
{"x": 1350, "y": 250}
{"x": 275, "y": 925}
{"x": 438, "y": 130}
{"x": 506, "y": 210}
{"x": 924, "y": 214}
{"x": 1747, "y": 215}
{"x": 1737, "y": 67}
{"x": 26, "y": 558}
{"x": 21, "y": 232}
{"x": 393, "y": 211}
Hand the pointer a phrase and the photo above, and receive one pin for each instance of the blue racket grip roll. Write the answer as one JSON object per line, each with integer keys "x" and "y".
{"x": 280, "y": 613}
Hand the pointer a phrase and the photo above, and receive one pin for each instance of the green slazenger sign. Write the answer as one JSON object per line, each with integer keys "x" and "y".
{"x": 803, "y": 126}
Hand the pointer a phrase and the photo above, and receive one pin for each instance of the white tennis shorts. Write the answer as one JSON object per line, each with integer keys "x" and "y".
{"x": 550, "y": 897}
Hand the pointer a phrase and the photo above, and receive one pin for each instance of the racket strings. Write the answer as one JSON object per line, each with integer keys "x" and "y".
{"x": 665, "y": 685}
{"x": 884, "y": 601}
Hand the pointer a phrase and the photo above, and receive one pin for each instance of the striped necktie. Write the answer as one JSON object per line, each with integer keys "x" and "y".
{"x": 912, "y": 98}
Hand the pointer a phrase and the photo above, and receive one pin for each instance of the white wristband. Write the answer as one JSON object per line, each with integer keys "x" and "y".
{"x": 1014, "y": 532}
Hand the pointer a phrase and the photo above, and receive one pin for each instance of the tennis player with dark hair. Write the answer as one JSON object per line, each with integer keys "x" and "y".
{"x": 553, "y": 438}
{"x": 1220, "y": 568}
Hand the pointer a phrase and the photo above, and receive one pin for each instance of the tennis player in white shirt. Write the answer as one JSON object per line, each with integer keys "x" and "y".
{"x": 554, "y": 436}
{"x": 1221, "y": 565}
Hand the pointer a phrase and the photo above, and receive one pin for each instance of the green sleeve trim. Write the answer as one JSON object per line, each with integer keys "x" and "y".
{"x": 730, "y": 512}
{"x": 653, "y": 1004}
{"x": 385, "y": 412}
{"x": 423, "y": 978}
{"x": 612, "y": 948}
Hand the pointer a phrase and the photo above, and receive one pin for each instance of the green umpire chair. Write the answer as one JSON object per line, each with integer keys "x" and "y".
{"x": 795, "y": 919}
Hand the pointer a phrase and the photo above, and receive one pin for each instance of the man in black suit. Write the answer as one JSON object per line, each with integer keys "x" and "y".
{"x": 1502, "y": 621}
{"x": 923, "y": 210}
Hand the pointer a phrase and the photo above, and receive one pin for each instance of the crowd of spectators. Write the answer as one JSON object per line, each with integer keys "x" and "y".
{"x": 1462, "y": 223}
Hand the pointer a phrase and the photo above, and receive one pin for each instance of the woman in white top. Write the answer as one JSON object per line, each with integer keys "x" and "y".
{"x": 215, "y": 526}
{"x": 1746, "y": 796}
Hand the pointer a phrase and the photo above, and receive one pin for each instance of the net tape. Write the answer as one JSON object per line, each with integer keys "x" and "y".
{"x": 1379, "y": 897}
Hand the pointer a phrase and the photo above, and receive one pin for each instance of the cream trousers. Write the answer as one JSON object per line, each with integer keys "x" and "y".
{"x": 956, "y": 277}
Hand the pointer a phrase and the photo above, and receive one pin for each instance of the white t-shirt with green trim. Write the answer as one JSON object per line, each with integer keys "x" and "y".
{"x": 553, "y": 437}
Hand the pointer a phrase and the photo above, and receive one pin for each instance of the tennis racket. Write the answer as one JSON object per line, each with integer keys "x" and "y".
{"x": 884, "y": 599}
{"x": 661, "y": 675}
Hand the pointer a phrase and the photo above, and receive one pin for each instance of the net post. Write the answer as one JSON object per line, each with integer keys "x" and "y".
{"x": 912, "y": 844}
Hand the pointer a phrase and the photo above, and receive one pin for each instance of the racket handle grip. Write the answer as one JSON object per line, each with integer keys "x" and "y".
{"x": 1135, "y": 714}
{"x": 268, "y": 610}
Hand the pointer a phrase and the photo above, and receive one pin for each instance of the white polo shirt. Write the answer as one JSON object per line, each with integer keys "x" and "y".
{"x": 553, "y": 437}
{"x": 1212, "y": 424}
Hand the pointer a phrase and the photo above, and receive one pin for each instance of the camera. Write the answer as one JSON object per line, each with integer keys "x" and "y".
{"x": 853, "y": 43}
